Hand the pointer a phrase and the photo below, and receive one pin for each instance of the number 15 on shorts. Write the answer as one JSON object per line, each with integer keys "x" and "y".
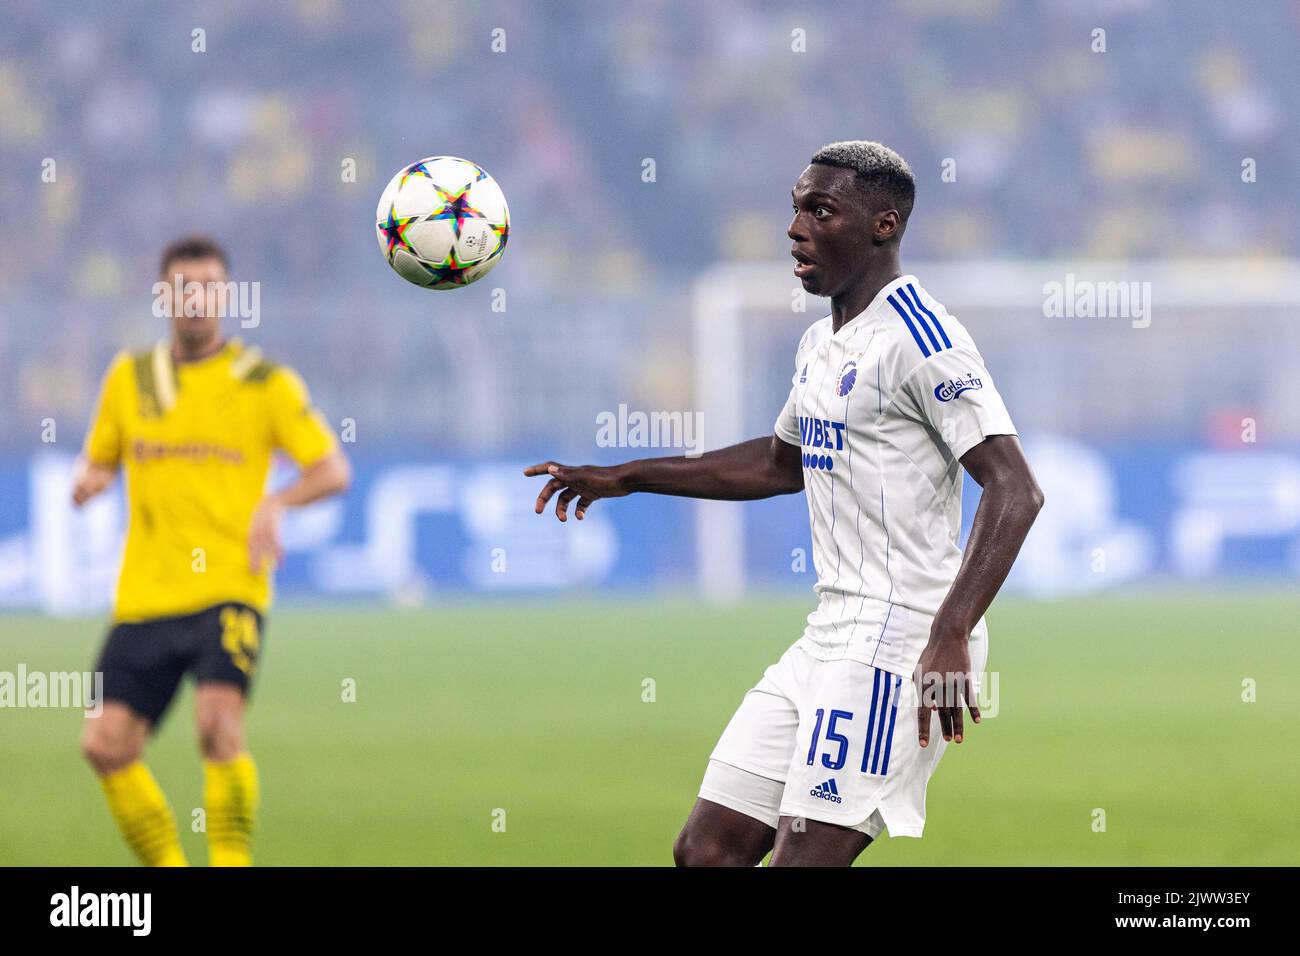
{"x": 834, "y": 729}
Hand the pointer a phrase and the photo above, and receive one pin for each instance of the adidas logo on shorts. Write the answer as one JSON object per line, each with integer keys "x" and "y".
{"x": 827, "y": 791}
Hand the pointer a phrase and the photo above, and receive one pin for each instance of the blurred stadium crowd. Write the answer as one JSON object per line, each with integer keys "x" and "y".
{"x": 1131, "y": 152}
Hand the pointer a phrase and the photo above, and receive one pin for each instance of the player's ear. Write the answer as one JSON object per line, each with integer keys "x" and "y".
{"x": 886, "y": 225}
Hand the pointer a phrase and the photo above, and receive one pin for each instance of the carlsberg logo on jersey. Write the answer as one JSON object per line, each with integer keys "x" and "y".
{"x": 947, "y": 391}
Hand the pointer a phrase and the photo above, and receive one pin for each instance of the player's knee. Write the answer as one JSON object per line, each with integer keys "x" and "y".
{"x": 107, "y": 752}
{"x": 694, "y": 849}
{"x": 221, "y": 735}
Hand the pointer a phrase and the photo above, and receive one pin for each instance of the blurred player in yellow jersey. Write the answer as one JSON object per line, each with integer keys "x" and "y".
{"x": 194, "y": 422}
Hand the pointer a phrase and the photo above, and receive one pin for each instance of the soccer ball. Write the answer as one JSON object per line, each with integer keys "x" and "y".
{"x": 442, "y": 223}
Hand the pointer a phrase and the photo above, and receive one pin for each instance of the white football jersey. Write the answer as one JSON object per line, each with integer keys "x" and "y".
{"x": 883, "y": 410}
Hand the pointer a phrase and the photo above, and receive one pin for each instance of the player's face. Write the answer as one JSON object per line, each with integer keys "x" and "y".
{"x": 832, "y": 230}
{"x": 196, "y": 314}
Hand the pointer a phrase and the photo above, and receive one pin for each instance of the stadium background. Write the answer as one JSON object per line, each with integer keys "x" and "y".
{"x": 501, "y": 661}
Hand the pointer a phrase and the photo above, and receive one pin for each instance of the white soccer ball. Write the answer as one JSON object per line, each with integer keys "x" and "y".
{"x": 442, "y": 223}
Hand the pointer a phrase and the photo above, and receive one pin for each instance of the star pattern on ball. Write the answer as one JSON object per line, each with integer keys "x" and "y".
{"x": 456, "y": 207}
{"x": 502, "y": 232}
{"x": 394, "y": 230}
{"x": 415, "y": 169}
{"x": 450, "y": 271}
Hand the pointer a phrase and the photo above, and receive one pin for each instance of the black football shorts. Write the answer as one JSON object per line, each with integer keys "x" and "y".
{"x": 143, "y": 662}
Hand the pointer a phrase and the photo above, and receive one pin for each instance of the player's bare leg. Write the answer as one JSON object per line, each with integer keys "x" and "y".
{"x": 715, "y": 835}
{"x": 115, "y": 739}
{"x": 230, "y": 791}
{"x": 219, "y": 719}
{"x": 801, "y": 842}
{"x": 113, "y": 743}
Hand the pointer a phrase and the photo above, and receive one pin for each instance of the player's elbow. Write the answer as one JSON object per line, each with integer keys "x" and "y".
{"x": 1032, "y": 498}
{"x": 1017, "y": 495}
{"x": 1034, "y": 494}
{"x": 784, "y": 469}
{"x": 783, "y": 481}
{"x": 343, "y": 476}
{"x": 338, "y": 474}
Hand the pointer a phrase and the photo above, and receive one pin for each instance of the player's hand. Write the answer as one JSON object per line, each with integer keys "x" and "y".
{"x": 587, "y": 483}
{"x": 88, "y": 480}
{"x": 264, "y": 549}
{"x": 944, "y": 681}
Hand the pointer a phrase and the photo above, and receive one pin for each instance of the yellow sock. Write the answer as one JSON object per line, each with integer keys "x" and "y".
{"x": 230, "y": 793}
{"x": 140, "y": 808}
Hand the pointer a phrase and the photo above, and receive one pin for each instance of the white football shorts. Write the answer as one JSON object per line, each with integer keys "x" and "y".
{"x": 833, "y": 741}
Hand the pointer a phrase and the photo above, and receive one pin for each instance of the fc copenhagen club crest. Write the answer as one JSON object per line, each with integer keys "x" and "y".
{"x": 848, "y": 378}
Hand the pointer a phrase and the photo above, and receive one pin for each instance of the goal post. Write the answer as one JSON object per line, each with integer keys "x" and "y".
{"x": 1095, "y": 349}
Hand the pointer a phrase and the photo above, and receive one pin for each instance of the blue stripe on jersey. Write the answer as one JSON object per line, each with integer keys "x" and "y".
{"x": 919, "y": 320}
{"x": 933, "y": 318}
{"x": 910, "y": 327}
{"x": 922, "y": 323}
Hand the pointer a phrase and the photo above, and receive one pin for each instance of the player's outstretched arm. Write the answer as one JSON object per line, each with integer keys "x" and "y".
{"x": 758, "y": 468}
{"x": 1010, "y": 502}
{"x": 331, "y": 475}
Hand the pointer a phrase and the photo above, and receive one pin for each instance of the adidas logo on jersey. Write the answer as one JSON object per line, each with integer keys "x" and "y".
{"x": 827, "y": 791}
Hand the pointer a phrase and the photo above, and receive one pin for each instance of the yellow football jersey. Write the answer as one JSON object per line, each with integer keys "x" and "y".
{"x": 196, "y": 441}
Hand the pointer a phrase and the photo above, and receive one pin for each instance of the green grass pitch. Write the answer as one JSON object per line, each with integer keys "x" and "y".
{"x": 1128, "y": 706}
